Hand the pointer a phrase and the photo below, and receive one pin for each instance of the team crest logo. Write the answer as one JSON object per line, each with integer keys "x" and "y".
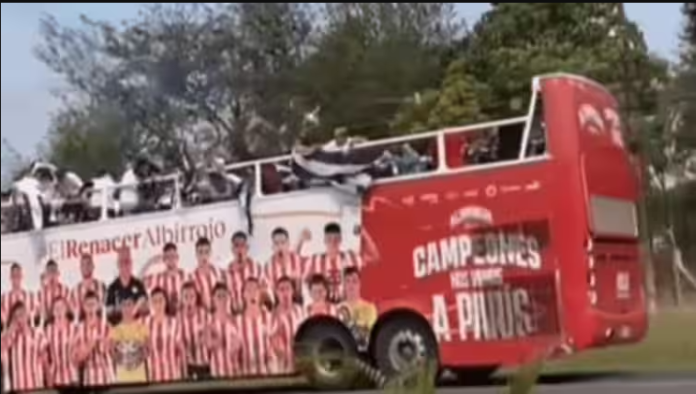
{"x": 471, "y": 217}
{"x": 591, "y": 119}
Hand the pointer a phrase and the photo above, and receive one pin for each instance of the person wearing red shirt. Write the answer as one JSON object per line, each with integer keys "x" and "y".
{"x": 319, "y": 298}
{"x": 165, "y": 360}
{"x": 5, "y": 361}
{"x": 285, "y": 261}
{"x": 255, "y": 324}
{"x": 206, "y": 275}
{"x": 88, "y": 284}
{"x": 18, "y": 294}
{"x": 60, "y": 333}
{"x": 336, "y": 259}
{"x": 171, "y": 279}
{"x": 240, "y": 268}
{"x": 26, "y": 347}
{"x": 222, "y": 337}
{"x": 51, "y": 288}
{"x": 92, "y": 345}
{"x": 288, "y": 316}
{"x": 193, "y": 321}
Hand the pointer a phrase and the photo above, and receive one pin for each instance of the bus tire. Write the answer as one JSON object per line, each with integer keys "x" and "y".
{"x": 404, "y": 344}
{"x": 317, "y": 338}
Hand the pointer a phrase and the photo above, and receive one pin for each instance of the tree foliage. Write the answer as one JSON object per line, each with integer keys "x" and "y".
{"x": 239, "y": 79}
{"x": 89, "y": 139}
{"x": 515, "y": 41}
{"x": 246, "y": 74}
{"x": 685, "y": 97}
{"x": 372, "y": 57}
{"x": 457, "y": 102}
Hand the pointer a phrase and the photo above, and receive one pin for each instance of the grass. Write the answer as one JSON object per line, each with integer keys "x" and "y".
{"x": 669, "y": 347}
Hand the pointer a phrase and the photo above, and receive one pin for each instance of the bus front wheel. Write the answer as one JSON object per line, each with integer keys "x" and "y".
{"x": 406, "y": 344}
{"x": 326, "y": 353}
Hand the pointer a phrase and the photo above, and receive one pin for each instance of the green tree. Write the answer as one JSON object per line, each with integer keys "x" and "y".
{"x": 457, "y": 102}
{"x": 371, "y": 58}
{"x": 182, "y": 67}
{"x": 460, "y": 98}
{"x": 516, "y": 41}
{"x": 685, "y": 97}
{"x": 88, "y": 141}
{"x": 685, "y": 105}
{"x": 248, "y": 73}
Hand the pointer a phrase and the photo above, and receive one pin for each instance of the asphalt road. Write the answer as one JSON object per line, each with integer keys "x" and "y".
{"x": 598, "y": 384}
{"x": 652, "y": 387}
{"x": 684, "y": 383}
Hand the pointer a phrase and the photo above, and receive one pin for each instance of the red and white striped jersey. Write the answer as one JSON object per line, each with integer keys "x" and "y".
{"x": 98, "y": 367}
{"x": 332, "y": 269}
{"x": 257, "y": 353}
{"x": 286, "y": 323}
{"x": 291, "y": 265}
{"x": 30, "y": 300}
{"x": 170, "y": 282}
{"x": 235, "y": 276}
{"x": 205, "y": 280}
{"x": 192, "y": 329}
{"x": 224, "y": 358}
{"x": 164, "y": 360}
{"x": 62, "y": 371}
{"x": 80, "y": 291}
{"x": 5, "y": 357}
{"x": 50, "y": 293}
{"x": 27, "y": 360}
{"x": 326, "y": 309}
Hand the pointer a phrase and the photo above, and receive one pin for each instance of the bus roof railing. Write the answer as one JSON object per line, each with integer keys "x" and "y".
{"x": 437, "y": 135}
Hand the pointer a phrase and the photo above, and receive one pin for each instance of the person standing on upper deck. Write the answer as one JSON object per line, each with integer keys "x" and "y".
{"x": 342, "y": 142}
{"x": 125, "y": 287}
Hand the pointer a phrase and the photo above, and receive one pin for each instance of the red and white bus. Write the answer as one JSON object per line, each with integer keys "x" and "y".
{"x": 516, "y": 239}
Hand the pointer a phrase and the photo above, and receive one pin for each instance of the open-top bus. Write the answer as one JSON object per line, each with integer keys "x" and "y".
{"x": 474, "y": 264}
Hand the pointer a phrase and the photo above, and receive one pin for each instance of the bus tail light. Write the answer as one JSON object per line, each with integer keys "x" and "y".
{"x": 591, "y": 275}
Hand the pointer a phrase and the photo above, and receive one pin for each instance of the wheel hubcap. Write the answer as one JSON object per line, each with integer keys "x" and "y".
{"x": 330, "y": 358}
{"x": 407, "y": 350}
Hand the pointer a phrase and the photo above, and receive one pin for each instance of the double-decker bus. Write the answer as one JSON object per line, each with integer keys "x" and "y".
{"x": 482, "y": 246}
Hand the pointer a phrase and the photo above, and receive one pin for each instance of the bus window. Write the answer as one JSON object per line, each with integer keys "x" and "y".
{"x": 536, "y": 146}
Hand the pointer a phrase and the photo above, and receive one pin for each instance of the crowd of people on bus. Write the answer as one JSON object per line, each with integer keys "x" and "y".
{"x": 47, "y": 196}
{"x": 170, "y": 325}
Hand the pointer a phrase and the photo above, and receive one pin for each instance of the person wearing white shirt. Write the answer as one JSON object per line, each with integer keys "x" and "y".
{"x": 69, "y": 184}
{"x": 101, "y": 197}
{"x": 31, "y": 188}
{"x": 342, "y": 142}
{"x": 128, "y": 191}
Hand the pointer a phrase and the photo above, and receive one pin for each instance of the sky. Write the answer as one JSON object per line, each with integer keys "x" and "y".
{"x": 26, "y": 84}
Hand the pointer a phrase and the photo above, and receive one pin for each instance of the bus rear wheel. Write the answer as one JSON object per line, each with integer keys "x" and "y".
{"x": 326, "y": 354}
{"x": 406, "y": 345}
